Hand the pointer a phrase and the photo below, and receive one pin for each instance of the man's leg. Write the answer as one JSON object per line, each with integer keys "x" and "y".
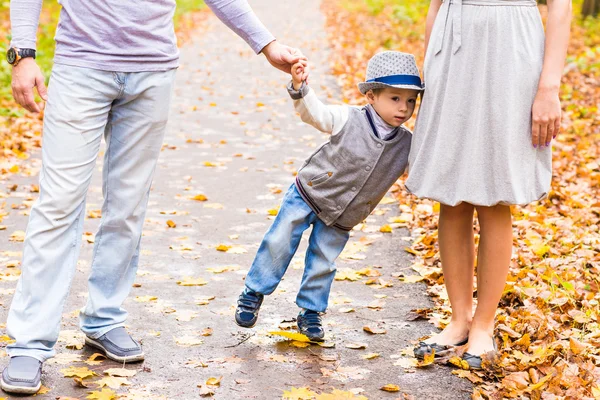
{"x": 134, "y": 138}
{"x": 79, "y": 101}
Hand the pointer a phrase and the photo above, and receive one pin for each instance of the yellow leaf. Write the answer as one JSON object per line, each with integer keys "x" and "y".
{"x": 356, "y": 346}
{"x": 390, "y": 388}
{"x": 145, "y": 299}
{"x": 188, "y": 340}
{"x": 300, "y": 345}
{"x": 346, "y": 274}
{"x": 171, "y": 224}
{"x": 200, "y": 197}
{"x": 93, "y": 359}
{"x": 220, "y": 270}
{"x": 121, "y": 372}
{"x": 43, "y": 390}
{"x": 223, "y": 247}
{"x": 259, "y": 104}
{"x": 370, "y": 356}
{"x": 459, "y": 362}
{"x": 576, "y": 346}
{"x": 340, "y": 395}
{"x": 299, "y": 337}
{"x": 427, "y": 360}
{"x": 189, "y": 281}
{"x": 385, "y": 229}
{"x": 374, "y": 331}
{"x": 105, "y": 394}
{"x": 273, "y": 211}
{"x": 14, "y": 169}
{"x": 412, "y": 279}
{"x": 298, "y": 394}
{"x": 17, "y": 236}
{"x": 81, "y": 372}
{"x": 112, "y": 382}
{"x": 214, "y": 381}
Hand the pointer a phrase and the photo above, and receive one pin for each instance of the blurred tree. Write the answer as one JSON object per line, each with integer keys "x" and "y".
{"x": 590, "y": 8}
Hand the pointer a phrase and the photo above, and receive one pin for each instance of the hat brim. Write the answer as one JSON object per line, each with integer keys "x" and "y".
{"x": 364, "y": 87}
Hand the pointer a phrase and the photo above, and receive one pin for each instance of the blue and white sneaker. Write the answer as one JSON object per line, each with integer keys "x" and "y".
{"x": 310, "y": 324}
{"x": 249, "y": 303}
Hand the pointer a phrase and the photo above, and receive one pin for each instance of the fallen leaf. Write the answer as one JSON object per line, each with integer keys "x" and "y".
{"x": 189, "y": 281}
{"x": 371, "y": 356}
{"x": 214, "y": 381}
{"x": 356, "y": 346}
{"x": 105, "y": 394}
{"x": 299, "y": 337}
{"x": 81, "y": 372}
{"x": 303, "y": 393}
{"x": 375, "y": 331}
{"x": 390, "y": 388}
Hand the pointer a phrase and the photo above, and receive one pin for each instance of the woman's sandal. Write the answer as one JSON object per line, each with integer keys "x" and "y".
{"x": 475, "y": 362}
{"x": 423, "y": 349}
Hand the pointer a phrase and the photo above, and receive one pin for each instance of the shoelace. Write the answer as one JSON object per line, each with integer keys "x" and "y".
{"x": 248, "y": 301}
{"x": 313, "y": 320}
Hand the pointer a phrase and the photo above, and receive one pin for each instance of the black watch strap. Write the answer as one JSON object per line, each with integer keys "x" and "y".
{"x": 23, "y": 53}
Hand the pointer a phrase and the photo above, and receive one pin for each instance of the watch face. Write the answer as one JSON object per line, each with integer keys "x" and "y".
{"x": 11, "y": 56}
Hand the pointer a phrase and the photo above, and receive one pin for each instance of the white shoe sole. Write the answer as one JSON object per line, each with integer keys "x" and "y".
{"x": 114, "y": 357}
{"x": 19, "y": 389}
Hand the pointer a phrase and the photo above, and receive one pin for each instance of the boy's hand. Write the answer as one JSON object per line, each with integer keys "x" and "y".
{"x": 300, "y": 72}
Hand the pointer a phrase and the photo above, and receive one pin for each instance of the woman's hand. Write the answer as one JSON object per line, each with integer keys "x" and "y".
{"x": 546, "y": 117}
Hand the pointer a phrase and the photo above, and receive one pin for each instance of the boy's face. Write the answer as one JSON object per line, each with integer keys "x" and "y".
{"x": 395, "y": 106}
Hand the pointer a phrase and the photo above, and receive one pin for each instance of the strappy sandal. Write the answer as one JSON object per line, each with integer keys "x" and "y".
{"x": 423, "y": 349}
{"x": 475, "y": 362}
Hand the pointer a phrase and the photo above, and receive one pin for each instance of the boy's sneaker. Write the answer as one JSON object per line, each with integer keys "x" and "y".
{"x": 309, "y": 323}
{"x": 249, "y": 303}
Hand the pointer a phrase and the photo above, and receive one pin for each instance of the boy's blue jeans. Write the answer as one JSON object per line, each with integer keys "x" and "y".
{"x": 280, "y": 244}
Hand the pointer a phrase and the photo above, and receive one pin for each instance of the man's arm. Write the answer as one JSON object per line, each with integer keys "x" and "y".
{"x": 24, "y": 20}
{"x": 240, "y": 18}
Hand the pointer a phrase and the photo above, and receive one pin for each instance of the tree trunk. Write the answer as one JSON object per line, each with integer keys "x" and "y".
{"x": 591, "y": 8}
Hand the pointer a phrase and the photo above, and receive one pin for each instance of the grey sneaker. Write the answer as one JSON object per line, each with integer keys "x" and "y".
{"x": 118, "y": 346}
{"x": 23, "y": 375}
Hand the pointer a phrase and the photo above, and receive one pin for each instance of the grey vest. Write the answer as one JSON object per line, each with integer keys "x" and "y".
{"x": 345, "y": 179}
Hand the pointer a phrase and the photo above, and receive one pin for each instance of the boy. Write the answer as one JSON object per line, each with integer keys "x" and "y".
{"x": 337, "y": 187}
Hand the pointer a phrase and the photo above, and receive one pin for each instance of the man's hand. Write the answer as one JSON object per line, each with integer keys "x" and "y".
{"x": 282, "y": 57}
{"x": 25, "y": 76}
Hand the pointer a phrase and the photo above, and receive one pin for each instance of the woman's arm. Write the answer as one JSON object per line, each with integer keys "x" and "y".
{"x": 546, "y": 112}
{"x": 434, "y": 7}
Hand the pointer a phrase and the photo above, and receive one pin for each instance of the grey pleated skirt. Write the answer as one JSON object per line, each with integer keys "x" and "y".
{"x": 472, "y": 139}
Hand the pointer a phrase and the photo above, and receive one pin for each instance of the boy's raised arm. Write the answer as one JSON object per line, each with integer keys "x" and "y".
{"x": 326, "y": 118}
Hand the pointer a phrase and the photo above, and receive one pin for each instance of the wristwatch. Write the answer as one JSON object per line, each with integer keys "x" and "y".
{"x": 14, "y": 55}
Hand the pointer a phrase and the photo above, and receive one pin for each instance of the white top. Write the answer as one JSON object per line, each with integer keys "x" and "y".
{"x": 332, "y": 118}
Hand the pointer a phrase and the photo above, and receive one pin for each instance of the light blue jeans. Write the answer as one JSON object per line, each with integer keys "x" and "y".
{"x": 130, "y": 110}
{"x": 280, "y": 244}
